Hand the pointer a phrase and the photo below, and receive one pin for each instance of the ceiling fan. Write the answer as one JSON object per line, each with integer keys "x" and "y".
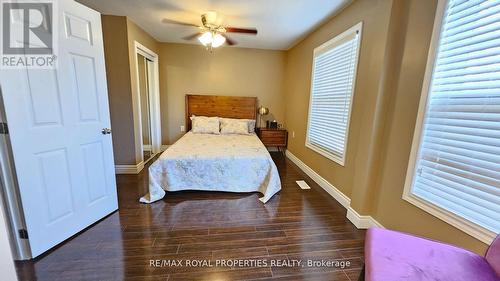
{"x": 212, "y": 34}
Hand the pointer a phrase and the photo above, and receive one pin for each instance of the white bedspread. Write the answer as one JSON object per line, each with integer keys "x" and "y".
{"x": 234, "y": 163}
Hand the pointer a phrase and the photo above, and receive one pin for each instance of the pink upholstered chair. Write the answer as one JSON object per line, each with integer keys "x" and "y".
{"x": 396, "y": 256}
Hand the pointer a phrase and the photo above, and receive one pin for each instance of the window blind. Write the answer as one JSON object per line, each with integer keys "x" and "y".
{"x": 458, "y": 163}
{"x": 334, "y": 67}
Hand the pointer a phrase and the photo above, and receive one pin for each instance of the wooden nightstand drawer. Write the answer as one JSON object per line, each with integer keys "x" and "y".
{"x": 273, "y": 137}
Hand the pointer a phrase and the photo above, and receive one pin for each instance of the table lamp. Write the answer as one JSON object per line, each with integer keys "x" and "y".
{"x": 262, "y": 111}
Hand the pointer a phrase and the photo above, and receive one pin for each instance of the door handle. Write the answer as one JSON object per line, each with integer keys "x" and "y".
{"x": 106, "y": 131}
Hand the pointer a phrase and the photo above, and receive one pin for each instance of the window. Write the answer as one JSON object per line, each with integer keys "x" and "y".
{"x": 332, "y": 88}
{"x": 454, "y": 170}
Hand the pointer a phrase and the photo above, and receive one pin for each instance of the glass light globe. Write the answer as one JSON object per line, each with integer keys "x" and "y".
{"x": 218, "y": 40}
{"x": 206, "y": 38}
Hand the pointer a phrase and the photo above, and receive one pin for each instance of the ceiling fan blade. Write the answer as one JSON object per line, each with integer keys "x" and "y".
{"x": 169, "y": 21}
{"x": 192, "y": 36}
{"x": 229, "y": 41}
{"x": 241, "y": 30}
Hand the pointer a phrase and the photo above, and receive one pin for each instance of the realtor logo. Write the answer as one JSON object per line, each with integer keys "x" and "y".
{"x": 28, "y": 34}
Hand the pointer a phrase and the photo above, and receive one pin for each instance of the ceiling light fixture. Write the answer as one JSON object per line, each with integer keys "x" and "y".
{"x": 218, "y": 40}
{"x": 206, "y": 38}
{"x": 212, "y": 33}
{"x": 212, "y": 40}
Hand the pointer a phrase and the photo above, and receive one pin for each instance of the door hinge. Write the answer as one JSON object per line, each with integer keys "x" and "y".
{"x": 4, "y": 129}
{"x": 23, "y": 234}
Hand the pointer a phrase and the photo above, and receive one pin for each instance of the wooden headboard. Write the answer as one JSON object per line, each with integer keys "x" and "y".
{"x": 221, "y": 106}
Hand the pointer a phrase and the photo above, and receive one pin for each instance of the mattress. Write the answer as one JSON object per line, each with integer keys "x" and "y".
{"x": 230, "y": 163}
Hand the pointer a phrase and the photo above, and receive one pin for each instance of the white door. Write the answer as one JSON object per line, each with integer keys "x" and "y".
{"x": 64, "y": 163}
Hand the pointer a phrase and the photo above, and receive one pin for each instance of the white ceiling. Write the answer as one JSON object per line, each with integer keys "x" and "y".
{"x": 281, "y": 23}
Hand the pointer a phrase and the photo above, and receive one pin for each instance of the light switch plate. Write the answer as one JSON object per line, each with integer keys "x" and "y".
{"x": 183, "y": 129}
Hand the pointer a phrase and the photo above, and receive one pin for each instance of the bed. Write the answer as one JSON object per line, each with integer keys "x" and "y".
{"x": 208, "y": 162}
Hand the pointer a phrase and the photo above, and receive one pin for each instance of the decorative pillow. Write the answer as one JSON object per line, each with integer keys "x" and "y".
{"x": 250, "y": 123}
{"x": 239, "y": 127}
{"x": 205, "y": 125}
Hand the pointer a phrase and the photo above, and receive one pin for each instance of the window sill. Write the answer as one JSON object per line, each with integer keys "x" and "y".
{"x": 334, "y": 158}
{"x": 482, "y": 234}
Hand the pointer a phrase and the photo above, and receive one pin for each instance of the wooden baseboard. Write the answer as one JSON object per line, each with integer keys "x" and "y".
{"x": 328, "y": 187}
{"x": 129, "y": 169}
{"x": 360, "y": 221}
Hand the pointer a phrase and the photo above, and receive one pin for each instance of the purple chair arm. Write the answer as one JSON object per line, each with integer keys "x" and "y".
{"x": 493, "y": 255}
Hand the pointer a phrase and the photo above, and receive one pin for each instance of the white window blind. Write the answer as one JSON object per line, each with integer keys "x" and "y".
{"x": 334, "y": 70}
{"x": 458, "y": 161}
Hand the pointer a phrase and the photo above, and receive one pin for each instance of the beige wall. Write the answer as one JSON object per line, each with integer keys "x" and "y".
{"x": 392, "y": 211}
{"x": 183, "y": 69}
{"x": 116, "y": 53}
{"x": 188, "y": 69}
{"x": 374, "y": 14}
{"x": 394, "y": 46}
{"x": 137, "y": 34}
{"x": 396, "y": 38}
{"x": 120, "y": 34}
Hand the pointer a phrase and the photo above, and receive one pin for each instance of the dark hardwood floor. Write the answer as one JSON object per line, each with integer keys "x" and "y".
{"x": 294, "y": 225}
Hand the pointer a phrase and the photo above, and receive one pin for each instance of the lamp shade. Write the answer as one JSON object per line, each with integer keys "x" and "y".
{"x": 263, "y": 110}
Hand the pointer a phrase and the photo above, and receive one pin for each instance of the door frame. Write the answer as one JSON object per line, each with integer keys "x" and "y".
{"x": 10, "y": 199}
{"x": 154, "y": 99}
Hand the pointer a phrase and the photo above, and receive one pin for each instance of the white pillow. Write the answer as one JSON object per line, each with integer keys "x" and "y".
{"x": 239, "y": 127}
{"x": 205, "y": 125}
{"x": 250, "y": 123}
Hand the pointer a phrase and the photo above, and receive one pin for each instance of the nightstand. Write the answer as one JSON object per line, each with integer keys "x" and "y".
{"x": 273, "y": 137}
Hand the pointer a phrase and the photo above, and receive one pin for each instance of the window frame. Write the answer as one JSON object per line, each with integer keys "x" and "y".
{"x": 471, "y": 228}
{"x": 320, "y": 49}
